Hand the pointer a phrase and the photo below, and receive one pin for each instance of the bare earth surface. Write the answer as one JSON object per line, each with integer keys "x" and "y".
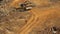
{"x": 39, "y": 20}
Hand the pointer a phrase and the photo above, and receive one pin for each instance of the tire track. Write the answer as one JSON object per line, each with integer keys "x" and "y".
{"x": 36, "y": 23}
{"x": 31, "y": 27}
{"x": 26, "y": 28}
{"x": 30, "y": 23}
{"x": 32, "y": 18}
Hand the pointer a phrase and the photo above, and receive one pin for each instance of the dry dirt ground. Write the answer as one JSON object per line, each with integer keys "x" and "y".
{"x": 38, "y": 20}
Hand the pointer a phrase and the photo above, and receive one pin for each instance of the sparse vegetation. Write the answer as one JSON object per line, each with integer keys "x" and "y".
{"x": 26, "y": 20}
